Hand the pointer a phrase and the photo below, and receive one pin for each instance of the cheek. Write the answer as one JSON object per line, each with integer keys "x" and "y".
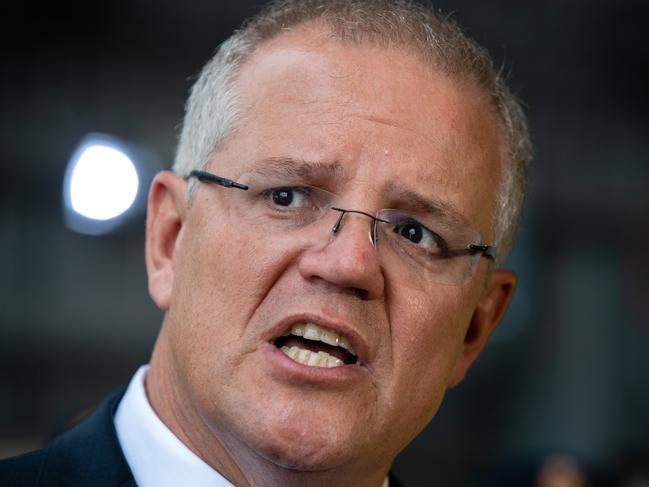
{"x": 428, "y": 334}
{"x": 222, "y": 259}
{"x": 430, "y": 321}
{"x": 224, "y": 273}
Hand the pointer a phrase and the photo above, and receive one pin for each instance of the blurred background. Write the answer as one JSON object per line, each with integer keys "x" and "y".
{"x": 562, "y": 390}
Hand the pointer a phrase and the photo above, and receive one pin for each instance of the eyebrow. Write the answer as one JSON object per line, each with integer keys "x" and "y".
{"x": 301, "y": 168}
{"x": 416, "y": 202}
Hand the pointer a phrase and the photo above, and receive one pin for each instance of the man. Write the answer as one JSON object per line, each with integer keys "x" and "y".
{"x": 348, "y": 179}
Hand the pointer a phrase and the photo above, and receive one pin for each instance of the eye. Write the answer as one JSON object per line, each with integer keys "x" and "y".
{"x": 417, "y": 234}
{"x": 412, "y": 232}
{"x": 291, "y": 197}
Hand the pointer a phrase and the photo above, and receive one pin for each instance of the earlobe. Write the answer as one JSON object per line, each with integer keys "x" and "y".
{"x": 490, "y": 310}
{"x": 165, "y": 218}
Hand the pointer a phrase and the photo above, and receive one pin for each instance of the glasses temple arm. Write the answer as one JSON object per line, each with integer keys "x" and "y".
{"x": 212, "y": 178}
{"x": 489, "y": 251}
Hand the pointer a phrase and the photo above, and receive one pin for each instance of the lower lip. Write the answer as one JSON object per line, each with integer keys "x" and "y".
{"x": 299, "y": 373}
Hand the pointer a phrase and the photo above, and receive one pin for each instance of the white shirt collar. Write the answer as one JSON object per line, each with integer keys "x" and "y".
{"x": 155, "y": 455}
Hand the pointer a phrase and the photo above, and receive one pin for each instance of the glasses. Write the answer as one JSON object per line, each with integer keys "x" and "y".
{"x": 424, "y": 247}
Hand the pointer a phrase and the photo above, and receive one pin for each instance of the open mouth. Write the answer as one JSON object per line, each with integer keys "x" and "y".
{"x": 312, "y": 345}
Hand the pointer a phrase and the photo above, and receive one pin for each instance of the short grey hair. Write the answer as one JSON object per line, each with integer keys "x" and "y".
{"x": 211, "y": 112}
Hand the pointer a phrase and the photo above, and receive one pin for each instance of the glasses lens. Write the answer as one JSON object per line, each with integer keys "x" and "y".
{"x": 279, "y": 204}
{"x": 427, "y": 247}
{"x": 423, "y": 248}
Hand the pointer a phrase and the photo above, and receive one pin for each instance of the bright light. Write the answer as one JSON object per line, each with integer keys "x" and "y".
{"x": 103, "y": 184}
{"x": 103, "y": 188}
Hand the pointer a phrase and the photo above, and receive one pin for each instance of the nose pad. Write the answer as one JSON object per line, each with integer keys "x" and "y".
{"x": 339, "y": 223}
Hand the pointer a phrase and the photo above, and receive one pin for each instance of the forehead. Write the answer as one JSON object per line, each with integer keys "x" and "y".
{"x": 388, "y": 120}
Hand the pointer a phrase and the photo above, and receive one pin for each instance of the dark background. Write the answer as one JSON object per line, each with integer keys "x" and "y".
{"x": 567, "y": 372}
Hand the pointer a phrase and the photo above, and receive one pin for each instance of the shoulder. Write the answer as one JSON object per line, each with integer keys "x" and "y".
{"x": 88, "y": 454}
{"x": 23, "y": 469}
{"x": 394, "y": 482}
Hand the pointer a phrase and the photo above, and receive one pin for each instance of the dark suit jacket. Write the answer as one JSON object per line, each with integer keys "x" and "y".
{"x": 87, "y": 455}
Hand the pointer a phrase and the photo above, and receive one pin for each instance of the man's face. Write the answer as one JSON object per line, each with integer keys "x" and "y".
{"x": 394, "y": 127}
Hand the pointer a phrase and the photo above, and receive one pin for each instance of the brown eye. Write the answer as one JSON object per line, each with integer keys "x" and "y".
{"x": 282, "y": 196}
{"x": 412, "y": 232}
{"x": 417, "y": 234}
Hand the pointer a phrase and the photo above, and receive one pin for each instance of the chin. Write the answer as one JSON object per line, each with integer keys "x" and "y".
{"x": 310, "y": 445}
{"x": 299, "y": 458}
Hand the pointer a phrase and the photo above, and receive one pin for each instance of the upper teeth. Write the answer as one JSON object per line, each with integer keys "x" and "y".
{"x": 311, "y": 331}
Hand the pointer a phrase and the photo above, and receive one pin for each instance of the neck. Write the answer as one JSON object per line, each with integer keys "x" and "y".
{"x": 232, "y": 458}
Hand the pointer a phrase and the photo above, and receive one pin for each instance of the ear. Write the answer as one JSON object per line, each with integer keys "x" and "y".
{"x": 165, "y": 218}
{"x": 491, "y": 308}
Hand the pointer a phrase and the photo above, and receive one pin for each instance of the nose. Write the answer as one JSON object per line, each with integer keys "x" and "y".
{"x": 349, "y": 259}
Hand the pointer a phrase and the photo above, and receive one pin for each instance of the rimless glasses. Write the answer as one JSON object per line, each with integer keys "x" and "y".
{"x": 421, "y": 247}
